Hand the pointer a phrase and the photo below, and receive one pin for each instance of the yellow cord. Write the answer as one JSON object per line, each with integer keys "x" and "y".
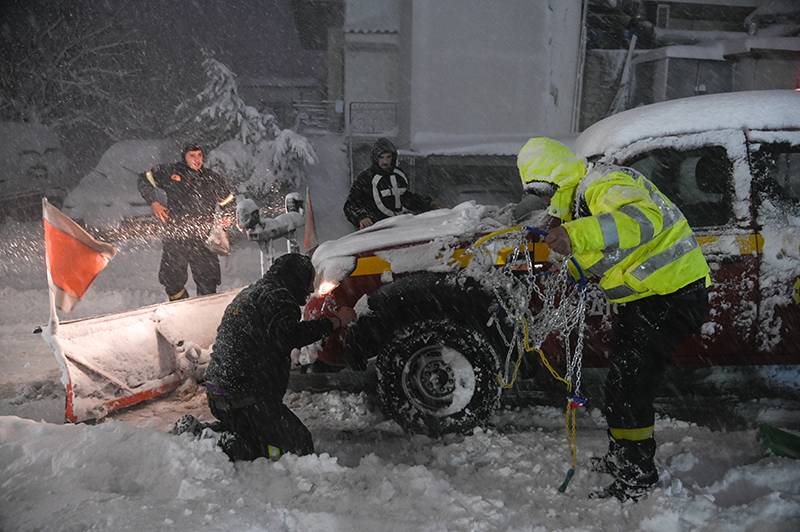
{"x": 572, "y": 436}
{"x": 542, "y": 357}
{"x": 545, "y": 362}
{"x": 570, "y": 416}
{"x": 570, "y": 420}
{"x": 482, "y": 240}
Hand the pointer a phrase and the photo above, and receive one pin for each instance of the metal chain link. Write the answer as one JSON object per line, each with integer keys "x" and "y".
{"x": 562, "y": 305}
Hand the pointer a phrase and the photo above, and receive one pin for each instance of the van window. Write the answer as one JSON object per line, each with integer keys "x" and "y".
{"x": 699, "y": 181}
{"x": 776, "y": 169}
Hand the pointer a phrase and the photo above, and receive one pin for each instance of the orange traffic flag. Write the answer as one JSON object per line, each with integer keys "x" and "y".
{"x": 73, "y": 256}
{"x": 310, "y": 240}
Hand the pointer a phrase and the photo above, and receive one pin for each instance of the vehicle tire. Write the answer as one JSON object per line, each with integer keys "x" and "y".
{"x": 437, "y": 377}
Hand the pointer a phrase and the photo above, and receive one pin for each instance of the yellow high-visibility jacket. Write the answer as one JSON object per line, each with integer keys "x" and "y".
{"x": 631, "y": 237}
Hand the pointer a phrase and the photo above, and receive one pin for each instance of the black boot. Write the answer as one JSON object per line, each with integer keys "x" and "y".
{"x": 636, "y": 473}
{"x": 187, "y": 423}
{"x": 608, "y": 463}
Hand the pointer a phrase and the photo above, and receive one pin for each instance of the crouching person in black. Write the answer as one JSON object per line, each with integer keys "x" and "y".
{"x": 248, "y": 373}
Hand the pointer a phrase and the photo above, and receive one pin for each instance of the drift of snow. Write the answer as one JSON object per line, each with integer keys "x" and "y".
{"x": 367, "y": 475}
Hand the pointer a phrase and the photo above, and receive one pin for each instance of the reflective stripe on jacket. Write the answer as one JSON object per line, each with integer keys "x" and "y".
{"x": 632, "y": 238}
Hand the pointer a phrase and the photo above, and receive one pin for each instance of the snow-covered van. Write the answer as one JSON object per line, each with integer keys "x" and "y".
{"x": 730, "y": 161}
{"x": 107, "y": 195}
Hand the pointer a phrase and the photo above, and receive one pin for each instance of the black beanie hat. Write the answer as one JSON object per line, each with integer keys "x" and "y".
{"x": 295, "y": 272}
{"x": 192, "y": 147}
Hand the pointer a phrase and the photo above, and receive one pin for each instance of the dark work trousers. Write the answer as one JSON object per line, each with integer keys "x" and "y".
{"x": 647, "y": 333}
{"x": 261, "y": 424}
{"x": 180, "y": 253}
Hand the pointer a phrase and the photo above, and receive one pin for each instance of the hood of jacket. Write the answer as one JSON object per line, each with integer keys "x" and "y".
{"x": 542, "y": 159}
{"x": 383, "y": 145}
{"x": 294, "y": 272}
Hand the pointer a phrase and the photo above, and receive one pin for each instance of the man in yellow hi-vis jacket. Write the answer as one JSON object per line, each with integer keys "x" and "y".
{"x": 637, "y": 245}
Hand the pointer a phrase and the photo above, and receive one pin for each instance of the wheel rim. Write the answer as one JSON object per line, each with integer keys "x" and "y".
{"x": 438, "y": 380}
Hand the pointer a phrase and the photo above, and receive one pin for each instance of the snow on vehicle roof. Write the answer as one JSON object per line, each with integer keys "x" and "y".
{"x": 772, "y": 109}
{"x": 335, "y": 259}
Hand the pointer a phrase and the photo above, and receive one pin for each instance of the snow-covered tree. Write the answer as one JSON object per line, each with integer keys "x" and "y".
{"x": 290, "y": 154}
{"x": 218, "y": 113}
{"x": 63, "y": 68}
{"x": 253, "y": 149}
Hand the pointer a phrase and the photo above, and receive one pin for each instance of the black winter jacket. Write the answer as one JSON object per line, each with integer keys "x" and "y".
{"x": 192, "y": 196}
{"x": 259, "y": 329}
{"x": 379, "y": 194}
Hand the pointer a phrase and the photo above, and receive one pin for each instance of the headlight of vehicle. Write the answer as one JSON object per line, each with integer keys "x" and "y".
{"x": 326, "y": 287}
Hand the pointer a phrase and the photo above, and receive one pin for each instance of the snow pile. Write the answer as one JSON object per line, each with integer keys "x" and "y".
{"x": 367, "y": 475}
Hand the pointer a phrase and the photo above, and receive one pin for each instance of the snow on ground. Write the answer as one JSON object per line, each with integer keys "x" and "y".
{"x": 127, "y": 473}
{"x": 368, "y": 475}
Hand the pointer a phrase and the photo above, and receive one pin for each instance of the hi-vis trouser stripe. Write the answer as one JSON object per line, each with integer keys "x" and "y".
{"x": 273, "y": 453}
{"x": 638, "y": 434}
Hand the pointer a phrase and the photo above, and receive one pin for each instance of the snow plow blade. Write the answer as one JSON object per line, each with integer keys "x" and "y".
{"x": 118, "y": 360}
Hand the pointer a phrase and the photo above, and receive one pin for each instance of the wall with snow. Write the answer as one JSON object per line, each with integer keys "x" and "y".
{"x": 470, "y": 67}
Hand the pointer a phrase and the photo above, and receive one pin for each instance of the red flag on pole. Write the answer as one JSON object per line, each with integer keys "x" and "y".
{"x": 73, "y": 256}
{"x": 310, "y": 240}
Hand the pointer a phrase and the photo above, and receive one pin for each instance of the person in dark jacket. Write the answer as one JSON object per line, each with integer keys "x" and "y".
{"x": 382, "y": 191}
{"x": 248, "y": 373}
{"x": 193, "y": 193}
